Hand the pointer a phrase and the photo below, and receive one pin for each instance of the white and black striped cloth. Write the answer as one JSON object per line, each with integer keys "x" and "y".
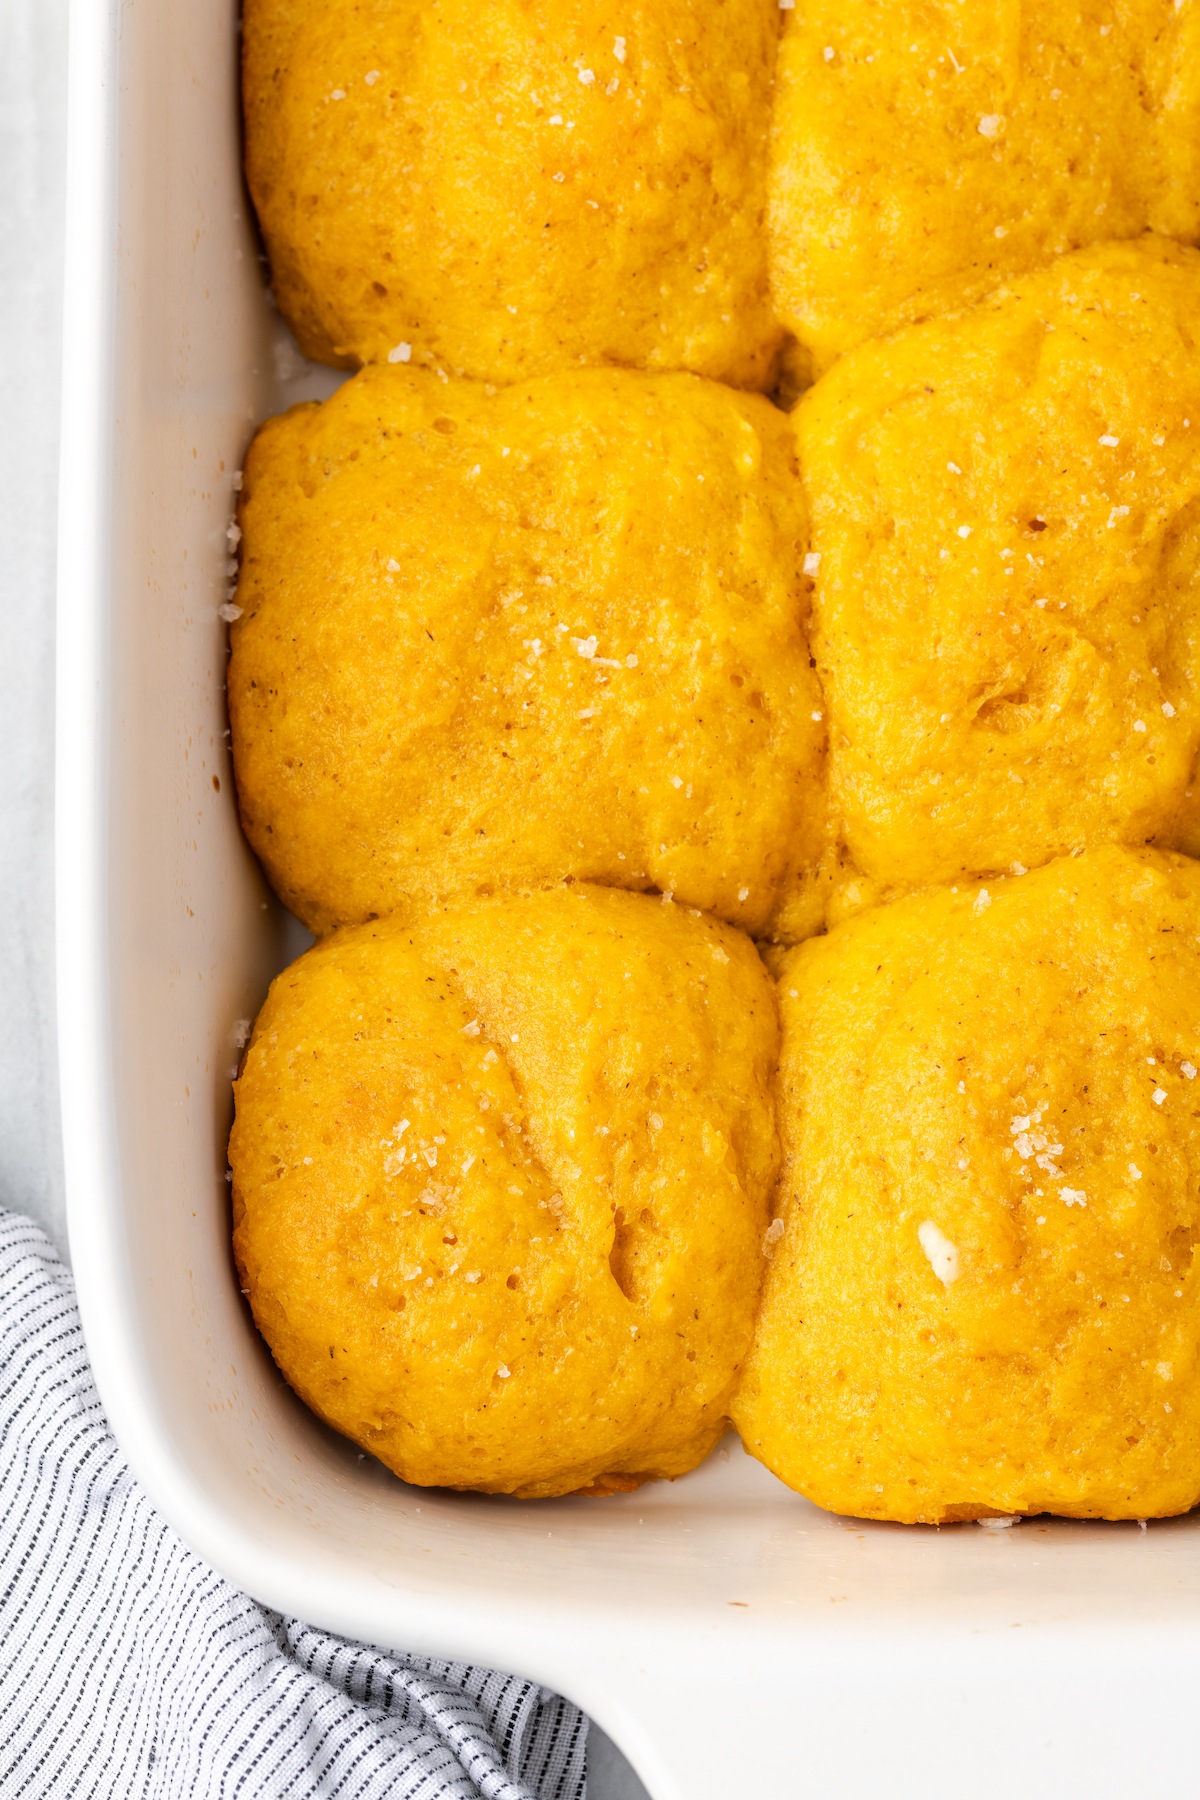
{"x": 129, "y": 1668}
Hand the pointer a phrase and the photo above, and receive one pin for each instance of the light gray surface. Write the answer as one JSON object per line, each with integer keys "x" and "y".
{"x": 32, "y": 124}
{"x": 32, "y": 137}
{"x": 609, "y": 1775}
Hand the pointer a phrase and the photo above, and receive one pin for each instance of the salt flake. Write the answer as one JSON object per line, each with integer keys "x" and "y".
{"x": 942, "y": 1254}
{"x": 772, "y": 1236}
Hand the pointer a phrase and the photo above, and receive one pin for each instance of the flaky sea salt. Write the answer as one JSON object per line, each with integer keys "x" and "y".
{"x": 812, "y": 562}
{"x": 942, "y": 1254}
{"x": 400, "y": 354}
{"x": 990, "y": 124}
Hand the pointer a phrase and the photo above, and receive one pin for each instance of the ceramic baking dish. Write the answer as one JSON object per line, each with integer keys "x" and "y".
{"x": 734, "y": 1640}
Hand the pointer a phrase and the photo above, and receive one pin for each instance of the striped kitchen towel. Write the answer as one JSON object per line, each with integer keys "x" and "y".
{"x": 129, "y": 1668}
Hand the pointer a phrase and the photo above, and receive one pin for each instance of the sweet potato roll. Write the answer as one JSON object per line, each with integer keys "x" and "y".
{"x": 984, "y": 1296}
{"x": 493, "y": 639}
{"x": 1006, "y": 512}
{"x": 925, "y": 153}
{"x": 504, "y": 190}
{"x": 500, "y": 1186}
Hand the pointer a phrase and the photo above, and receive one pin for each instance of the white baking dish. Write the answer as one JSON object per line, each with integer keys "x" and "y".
{"x": 734, "y": 1640}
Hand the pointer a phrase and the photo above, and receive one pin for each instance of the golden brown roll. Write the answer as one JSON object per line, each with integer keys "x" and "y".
{"x": 494, "y": 639}
{"x": 984, "y": 1295}
{"x": 1006, "y": 511}
{"x": 924, "y": 153}
{"x": 504, "y": 190}
{"x": 500, "y": 1186}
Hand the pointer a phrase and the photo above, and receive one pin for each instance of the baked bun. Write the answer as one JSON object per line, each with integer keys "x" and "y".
{"x": 923, "y": 154}
{"x": 984, "y": 1295}
{"x": 1006, "y": 506}
{"x": 490, "y": 640}
{"x": 509, "y": 189}
{"x": 500, "y": 1186}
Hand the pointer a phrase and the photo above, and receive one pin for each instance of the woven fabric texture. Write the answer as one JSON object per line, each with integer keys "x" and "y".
{"x": 130, "y": 1668}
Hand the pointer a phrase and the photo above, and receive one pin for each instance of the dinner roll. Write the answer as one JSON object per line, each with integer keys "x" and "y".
{"x": 1006, "y": 508}
{"x": 984, "y": 1295}
{"x": 504, "y": 190}
{"x": 495, "y": 639}
{"x": 924, "y": 153}
{"x": 500, "y": 1186}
